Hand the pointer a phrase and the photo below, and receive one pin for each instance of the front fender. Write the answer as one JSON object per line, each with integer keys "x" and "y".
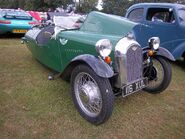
{"x": 179, "y": 50}
{"x": 101, "y": 68}
{"x": 165, "y": 53}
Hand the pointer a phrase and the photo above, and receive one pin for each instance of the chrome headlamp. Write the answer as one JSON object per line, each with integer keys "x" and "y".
{"x": 104, "y": 47}
{"x": 154, "y": 43}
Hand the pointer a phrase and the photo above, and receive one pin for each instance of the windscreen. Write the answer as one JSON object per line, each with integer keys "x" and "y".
{"x": 67, "y": 22}
{"x": 15, "y": 15}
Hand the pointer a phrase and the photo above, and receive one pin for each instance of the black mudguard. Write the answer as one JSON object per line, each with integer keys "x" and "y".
{"x": 165, "y": 53}
{"x": 101, "y": 68}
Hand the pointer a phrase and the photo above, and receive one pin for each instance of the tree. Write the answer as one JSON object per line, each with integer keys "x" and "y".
{"x": 8, "y": 4}
{"x": 38, "y": 5}
{"x": 85, "y": 6}
{"x": 117, "y": 7}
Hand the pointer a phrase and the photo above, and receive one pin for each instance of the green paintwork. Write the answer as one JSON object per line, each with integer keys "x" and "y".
{"x": 107, "y": 24}
{"x": 59, "y": 52}
{"x": 48, "y": 55}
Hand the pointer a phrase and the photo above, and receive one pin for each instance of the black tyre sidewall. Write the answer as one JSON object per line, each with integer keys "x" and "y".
{"x": 167, "y": 76}
{"x": 106, "y": 93}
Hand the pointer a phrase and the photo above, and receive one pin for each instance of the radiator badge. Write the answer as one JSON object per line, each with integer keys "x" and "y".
{"x": 63, "y": 41}
{"x": 134, "y": 48}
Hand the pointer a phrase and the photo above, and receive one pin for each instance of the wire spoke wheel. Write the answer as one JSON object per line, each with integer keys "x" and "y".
{"x": 159, "y": 75}
{"x": 92, "y": 95}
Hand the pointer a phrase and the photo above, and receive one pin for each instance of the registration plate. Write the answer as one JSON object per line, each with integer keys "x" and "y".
{"x": 19, "y": 31}
{"x": 134, "y": 87}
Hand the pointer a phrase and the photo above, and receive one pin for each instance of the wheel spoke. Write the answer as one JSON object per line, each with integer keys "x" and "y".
{"x": 93, "y": 107}
{"x": 88, "y": 94}
{"x": 160, "y": 74}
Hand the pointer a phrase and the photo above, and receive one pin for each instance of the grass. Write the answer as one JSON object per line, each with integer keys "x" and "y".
{"x": 33, "y": 107}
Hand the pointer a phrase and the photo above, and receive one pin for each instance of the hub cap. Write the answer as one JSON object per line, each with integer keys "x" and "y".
{"x": 88, "y": 94}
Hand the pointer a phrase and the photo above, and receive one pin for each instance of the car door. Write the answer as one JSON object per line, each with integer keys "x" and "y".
{"x": 162, "y": 23}
{"x": 47, "y": 49}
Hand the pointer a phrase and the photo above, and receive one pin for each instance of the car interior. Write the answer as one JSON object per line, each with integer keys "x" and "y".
{"x": 59, "y": 23}
{"x": 44, "y": 36}
{"x": 160, "y": 15}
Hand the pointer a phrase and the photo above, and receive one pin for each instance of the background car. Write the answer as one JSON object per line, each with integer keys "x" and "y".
{"x": 164, "y": 20}
{"x": 15, "y": 21}
{"x": 35, "y": 15}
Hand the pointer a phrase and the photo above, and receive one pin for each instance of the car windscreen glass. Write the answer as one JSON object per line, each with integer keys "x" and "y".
{"x": 17, "y": 15}
{"x": 2, "y": 13}
{"x": 136, "y": 15}
{"x": 181, "y": 14}
{"x": 67, "y": 22}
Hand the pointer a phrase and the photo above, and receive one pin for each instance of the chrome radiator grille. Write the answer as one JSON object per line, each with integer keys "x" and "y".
{"x": 134, "y": 63}
{"x": 128, "y": 62}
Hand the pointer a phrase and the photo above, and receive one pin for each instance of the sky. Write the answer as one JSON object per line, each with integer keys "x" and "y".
{"x": 99, "y": 6}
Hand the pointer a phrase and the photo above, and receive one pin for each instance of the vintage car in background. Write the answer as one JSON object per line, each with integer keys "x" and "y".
{"x": 101, "y": 59}
{"x": 39, "y": 16}
{"x": 15, "y": 21}
{"x": 35, "y": 15}
{"x": 165, "y": 20}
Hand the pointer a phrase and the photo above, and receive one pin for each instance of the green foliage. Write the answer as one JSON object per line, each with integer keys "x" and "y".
{"x": 118, "y": 7}
{"x": 9, "y": 3}
{"x": 38, "y": 5}
{"x": 86, "y": 6}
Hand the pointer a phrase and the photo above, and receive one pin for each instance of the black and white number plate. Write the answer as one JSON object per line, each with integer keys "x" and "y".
{"x": 134, "y": 87}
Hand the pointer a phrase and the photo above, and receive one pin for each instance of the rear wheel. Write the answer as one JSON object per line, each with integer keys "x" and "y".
{"x": 92, "y": 95}
{"x": 159, "y": 75}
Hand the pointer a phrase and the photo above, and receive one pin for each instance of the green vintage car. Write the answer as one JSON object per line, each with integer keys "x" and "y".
{"x": 101, "y": 59}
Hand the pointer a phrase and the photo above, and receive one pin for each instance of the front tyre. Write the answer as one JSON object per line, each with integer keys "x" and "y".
{"x": 92, "y": 95}
{"x": 184, "y": 56}
{"x": 159, "y": 75}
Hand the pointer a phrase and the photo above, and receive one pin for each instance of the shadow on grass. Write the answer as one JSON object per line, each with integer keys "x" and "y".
{"x": 10, "y": 36}
{"x": 180, "y": 63}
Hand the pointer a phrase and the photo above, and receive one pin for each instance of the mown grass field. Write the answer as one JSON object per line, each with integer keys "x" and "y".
{"x": 32, "y": 107}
